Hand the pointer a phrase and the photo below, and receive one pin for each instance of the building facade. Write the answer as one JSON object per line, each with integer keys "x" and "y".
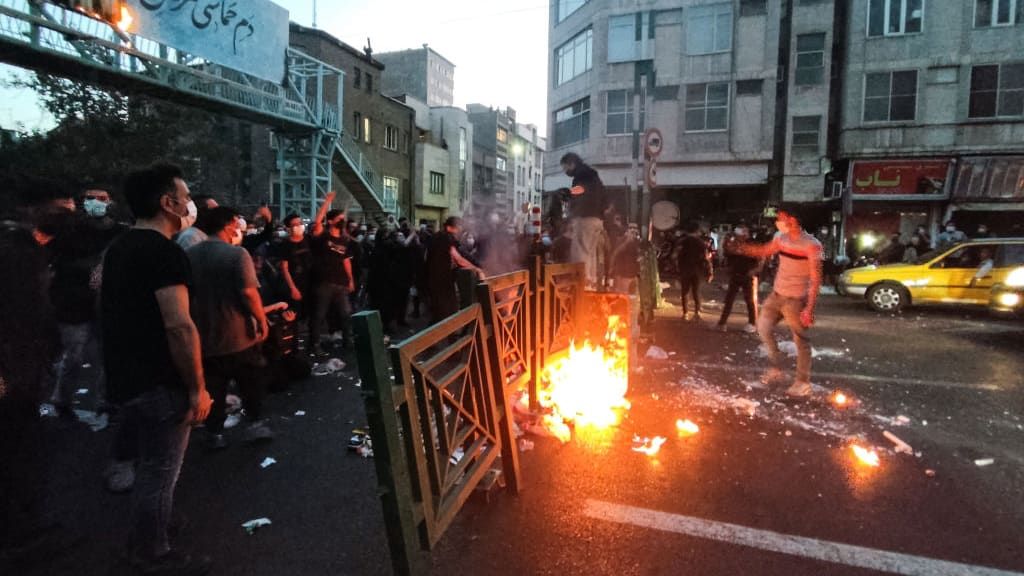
{"x": 525, "y": 170}
{"x": 422, "y": 73}
{"x": 492, "y": 140}
{"x": 379, "y": 126}
{"x": 443, "y": 174}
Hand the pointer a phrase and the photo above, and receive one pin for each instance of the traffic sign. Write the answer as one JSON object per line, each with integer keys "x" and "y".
{"x": 653, "y": 142}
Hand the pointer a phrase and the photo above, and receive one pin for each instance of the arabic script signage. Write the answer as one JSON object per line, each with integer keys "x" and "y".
{"x": 899, "y": 178}
{"x": 250, "y": 36}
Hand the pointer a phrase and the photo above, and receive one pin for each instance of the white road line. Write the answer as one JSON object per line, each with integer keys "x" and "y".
{"x": 858, "y": 377}
{"x": 836, "y": 553}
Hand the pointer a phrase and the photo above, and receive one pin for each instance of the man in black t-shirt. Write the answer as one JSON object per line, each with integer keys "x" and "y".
{"x": 442, "y": 258}
{"x": 332, "y": 276}
{"x": 152, "y": 357}
{"x": 296, "y": 263}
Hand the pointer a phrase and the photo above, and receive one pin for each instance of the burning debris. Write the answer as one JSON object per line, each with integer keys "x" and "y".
{"x": 686, "y": 427}
{"x": 648, "y": 446}
{"x": 865, "y": 456}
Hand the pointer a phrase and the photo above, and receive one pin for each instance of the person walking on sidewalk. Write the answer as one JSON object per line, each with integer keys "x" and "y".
{"x": 794, "y": 295}
{"x": 694, "y": 267}
{"x": 742, "y": 275}
{"x": 152, "y": 357}
{"x": 228, "y": 312}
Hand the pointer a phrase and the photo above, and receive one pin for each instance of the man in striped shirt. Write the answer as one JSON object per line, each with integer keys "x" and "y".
{"x": 794, "y": 294}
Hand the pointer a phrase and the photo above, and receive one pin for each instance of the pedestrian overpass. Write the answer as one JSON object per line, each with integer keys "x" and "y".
{"x": 304, "y": 110}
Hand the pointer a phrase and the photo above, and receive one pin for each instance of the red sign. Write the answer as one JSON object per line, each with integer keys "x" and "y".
{"x": 899, "y": 177}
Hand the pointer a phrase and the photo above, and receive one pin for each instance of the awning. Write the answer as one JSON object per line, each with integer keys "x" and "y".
{"x": 989, "y": 178}
{"x": 989, "y": 206}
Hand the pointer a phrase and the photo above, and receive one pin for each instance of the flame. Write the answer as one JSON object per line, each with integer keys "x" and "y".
{"x": 867, "y": 457}
{"x": 840, "y": 399}
{"x": 686, "y": 427}
{"x": 124, "y": 21}
{"x": 649, "y": 446}
{"x": 587, "y": 387}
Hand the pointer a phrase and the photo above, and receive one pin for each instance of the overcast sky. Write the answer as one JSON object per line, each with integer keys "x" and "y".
{"x": 499, "y": 48}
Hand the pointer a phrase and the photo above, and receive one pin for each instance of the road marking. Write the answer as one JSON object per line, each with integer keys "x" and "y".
{"x": 834, "y": 552}
{"x": 858, "y": 377}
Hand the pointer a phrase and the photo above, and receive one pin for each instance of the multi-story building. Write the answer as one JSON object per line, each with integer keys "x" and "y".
{"x": 422, "y": 73}
{"x": 527, "y": 165}
{"x": 443, "y": 173}
{"x": 377, "y": 128}
{"x": 492, "y": 139}
{"x": 933, "y": 114}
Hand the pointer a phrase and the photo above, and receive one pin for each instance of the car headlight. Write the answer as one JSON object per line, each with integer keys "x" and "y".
{"x": 1016, "y": 278}
{"x": 1009, "y": 299}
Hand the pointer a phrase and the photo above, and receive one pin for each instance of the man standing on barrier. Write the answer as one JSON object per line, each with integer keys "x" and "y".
{"x": 587, "y": 204}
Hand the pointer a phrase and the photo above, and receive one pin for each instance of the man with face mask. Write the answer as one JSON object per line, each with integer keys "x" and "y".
{"x": 228, "y": 312}
{"x": 295, "y": 263}
{"x": 152, "y": 357}
{"x": 950, "y": 236}
{"x": 333, "y": 279}
{"x": 587, "y": 205}
{"x": 191, "y": 235}
{"x": 742, "y": 276}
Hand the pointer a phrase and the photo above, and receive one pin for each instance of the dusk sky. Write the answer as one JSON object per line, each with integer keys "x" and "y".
{"x": 499, "y": 48}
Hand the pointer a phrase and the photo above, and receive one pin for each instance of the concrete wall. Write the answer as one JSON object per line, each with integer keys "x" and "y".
{"x": 422, "y": 73}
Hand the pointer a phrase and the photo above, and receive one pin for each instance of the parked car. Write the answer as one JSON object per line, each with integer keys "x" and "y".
{"x": 945, "y": 276}
{"x": 1008, "y": 298}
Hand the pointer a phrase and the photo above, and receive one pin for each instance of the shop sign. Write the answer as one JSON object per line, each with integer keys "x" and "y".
{"x": 889, "y": 179}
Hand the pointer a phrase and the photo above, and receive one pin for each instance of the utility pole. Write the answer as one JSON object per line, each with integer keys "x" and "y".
{"x": 314, "y": 13}
{"x": 777, "y": 167}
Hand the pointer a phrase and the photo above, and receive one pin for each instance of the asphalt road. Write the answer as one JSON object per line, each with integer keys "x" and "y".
{"x": 766, "y": 487}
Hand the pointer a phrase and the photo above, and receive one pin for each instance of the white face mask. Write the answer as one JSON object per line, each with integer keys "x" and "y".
{"x": 236, "y": 240}
{"x": 298, "y": 230}
{"x": 282, "y": 233}
{"x": 190, "y": 215}
{"x": 950, "y": 228}
{"x": 95, "y": 208}
{"x": 372, "y": 237}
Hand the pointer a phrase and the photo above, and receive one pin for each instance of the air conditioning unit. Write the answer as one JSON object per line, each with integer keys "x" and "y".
{"x": 835, "y": 190}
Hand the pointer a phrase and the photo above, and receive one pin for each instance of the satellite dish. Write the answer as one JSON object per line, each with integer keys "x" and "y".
{"x": 664, "y": 215}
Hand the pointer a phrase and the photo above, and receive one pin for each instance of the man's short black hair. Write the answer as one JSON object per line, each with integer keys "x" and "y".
{"x": 288, "y": 219}
{"x": 144, "y": 188}
{"x": 214, "y": 220}
{"x": 571, "y": 157}
{"x": 332, "y": 214}
{"x": 794, "y": 210}
{"x": 453, "y": 221}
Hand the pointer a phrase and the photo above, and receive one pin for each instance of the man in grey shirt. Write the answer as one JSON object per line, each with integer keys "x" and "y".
{"x": 229, "y": 314}
{"x": 794, "y": 294}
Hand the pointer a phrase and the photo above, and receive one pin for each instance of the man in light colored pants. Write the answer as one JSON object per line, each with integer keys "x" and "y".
{"x": 588, "y": 244}
{"x": 778, "y": 307}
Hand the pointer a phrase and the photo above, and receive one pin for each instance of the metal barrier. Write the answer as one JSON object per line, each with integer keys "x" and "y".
{"x": 438, "y": 403}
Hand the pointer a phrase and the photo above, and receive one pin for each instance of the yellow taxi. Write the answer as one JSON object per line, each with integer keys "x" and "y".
{"x": 962, "y": 274}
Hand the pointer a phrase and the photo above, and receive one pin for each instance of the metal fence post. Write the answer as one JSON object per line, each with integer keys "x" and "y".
{"x": 465, "y": 281}
{"x": 394, "y": 484}
{"x": 536, "y": 328}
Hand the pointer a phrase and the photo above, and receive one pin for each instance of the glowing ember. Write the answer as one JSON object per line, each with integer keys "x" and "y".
{"x": 867, "y": 457}
{"x": 840, "y": 399}
{"x": 686, "y": 427}
{"x": 125, "y": 21}
{"x": 587, "y": 387}
{"x": 650, "y": 446}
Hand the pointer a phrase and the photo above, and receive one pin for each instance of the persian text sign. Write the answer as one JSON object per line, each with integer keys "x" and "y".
{"x": 899, "y": 177}
{"x": 250, "y": 36}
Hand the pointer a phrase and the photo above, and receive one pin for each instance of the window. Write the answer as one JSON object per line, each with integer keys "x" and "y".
{"x": 890, "y": 96}
{"x": 357, "y": 125}
{"x": 998, "y": 12}
{"x": 436, "y": 183}
{"x": 403, "y": 144}
{"x": 749, "y": 87}
{"x": 502, "y": 135}
{"x": 357, "y": 77}
{"x": 810, "y": 59}
{"x": 390, "y": 199}
{"x": 463, "y": 145}
{"x": 369, "y": 83}
{"x": 499, "y": 164}
{"x": 574, "y": 57}
{"x": 567, "y": 7}
{"x": 572, "y": 123}
{"x": 366, "y": 129}
{"x": 619, "y": 119}
{"x": 626, "y": 36}
{"x": 997, "y": 90}
{"x": 709, "y": 29}
{"x": 805, "y": 133}
{"x": 391, "y": 138}
{"x": 753, "y": 7}
{"x": 707, "y": 107}
{"x": 894, "y": 17}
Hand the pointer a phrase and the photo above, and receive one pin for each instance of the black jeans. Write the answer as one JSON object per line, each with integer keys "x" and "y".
{"x": 330, "y": 297}
{"x": 22, "y": 471}
{"x": 691, "y": 284}
{"x": 247, "y": 369}
{"x": 746, "y": 283}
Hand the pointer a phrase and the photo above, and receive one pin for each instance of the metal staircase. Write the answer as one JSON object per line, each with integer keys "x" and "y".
{"x": 47, "y": 38}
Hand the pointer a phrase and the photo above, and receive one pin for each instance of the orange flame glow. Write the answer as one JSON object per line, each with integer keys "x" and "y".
{"x": 686, "y": 427}
{"x": 840, "y": 399}
{"x": 587, "y": 386}
{"x": 650, "y": 446}
{"x": 124, "y": 22}
{"x": 866, "y": 457}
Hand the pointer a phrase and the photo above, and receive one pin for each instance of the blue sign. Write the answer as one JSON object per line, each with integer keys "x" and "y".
{"x": 250, "y": 36}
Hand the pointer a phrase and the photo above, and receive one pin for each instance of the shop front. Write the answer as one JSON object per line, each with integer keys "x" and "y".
{"x": 886, "y": 198}
{"x": 989, "y": 191}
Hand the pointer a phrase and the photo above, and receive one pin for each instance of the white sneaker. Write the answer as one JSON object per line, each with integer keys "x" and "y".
{"x": 750, "y": 329}
{"x": 799, "y": 389}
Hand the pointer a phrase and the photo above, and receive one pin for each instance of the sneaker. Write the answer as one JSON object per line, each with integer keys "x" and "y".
{"x": 232, "y": 420}
{"x": 799, "y": 389}
{"x": 120, "y": 477}
{"x": 258, "y": 431}
{"x": 173, "y": 563}
{"x": 750, "y": 329}
{"x": 721, "y": 328}
{"x": 771, "y": 376}
{"x": 217, "y": 442}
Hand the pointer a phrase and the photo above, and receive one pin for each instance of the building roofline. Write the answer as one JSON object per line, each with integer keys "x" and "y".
{"x": 427, "y": 48}
{"x": 338, "y": 43}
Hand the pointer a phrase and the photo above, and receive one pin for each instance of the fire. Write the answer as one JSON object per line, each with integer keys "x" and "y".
{"x": 124, "y": 22}
{"x": 867, "y": 457}
{"x": 686, "y": 427}
{"x": 588, "y": 386}
{"x": 649, "y": 446}
{"x": 840, "y": 399}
